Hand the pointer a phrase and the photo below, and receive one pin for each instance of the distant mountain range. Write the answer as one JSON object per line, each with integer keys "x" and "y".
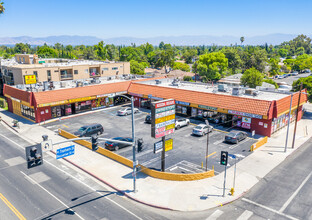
{"x": 274, "y": 39}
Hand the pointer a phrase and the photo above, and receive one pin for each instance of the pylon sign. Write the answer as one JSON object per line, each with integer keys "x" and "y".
{"x": 163, "y": 118}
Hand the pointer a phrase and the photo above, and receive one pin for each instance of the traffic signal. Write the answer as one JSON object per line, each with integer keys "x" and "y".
{"x": 224, "y": 158}
{"x": 140, "y": 145}
{"x": 34, "y": 156}
{"x": 94, "y": 139}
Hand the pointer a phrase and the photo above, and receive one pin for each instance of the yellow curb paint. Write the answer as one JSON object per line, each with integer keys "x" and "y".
{"x": 211, "y": 154}
{"x": 16, "y": 212}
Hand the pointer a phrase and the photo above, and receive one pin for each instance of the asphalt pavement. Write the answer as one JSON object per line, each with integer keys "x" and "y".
{"x": 188, "y": 154}
{"x": 290, "y": 79}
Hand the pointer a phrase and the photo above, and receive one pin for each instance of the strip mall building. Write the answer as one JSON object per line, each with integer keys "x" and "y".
{"x": 265, "y": 113}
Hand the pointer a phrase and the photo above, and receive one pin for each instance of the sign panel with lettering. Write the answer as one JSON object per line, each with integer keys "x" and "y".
{"x": 168, "y": 144}
{"x": 30, "y": 79}
{"x": 163, "y": 118}
{"x": 245, "y": 114}
{"x": 65, "y": 152}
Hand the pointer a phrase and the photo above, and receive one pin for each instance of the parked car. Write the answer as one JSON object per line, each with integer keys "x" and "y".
{"x": 148, "y": 119}
{"x": 295, "y": 73}
{"x": 127, "y": 111}
{"x": 202, "y": 129}
{"x": 181, "y": 122}
{"x": 116, "y": 146}
{"x": 280, "y": 77}
{"x": 235, "y": 136}
{"x": 89, "y": 130}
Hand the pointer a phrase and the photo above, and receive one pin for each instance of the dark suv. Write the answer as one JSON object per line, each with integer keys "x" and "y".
{"x": 148, "y": 119}
{"x": 89, "y": 130}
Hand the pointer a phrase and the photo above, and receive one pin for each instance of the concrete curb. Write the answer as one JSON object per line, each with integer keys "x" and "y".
{"x": 115, "y": 188}
{"x": 7, "y": 124}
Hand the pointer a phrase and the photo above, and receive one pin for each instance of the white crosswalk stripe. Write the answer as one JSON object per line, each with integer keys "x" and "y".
{"x": 215, "y": 215}
{"x": 245, "y": 215}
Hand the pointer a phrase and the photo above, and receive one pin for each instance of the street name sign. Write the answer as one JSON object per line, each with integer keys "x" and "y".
{"x": 65, "y": 152}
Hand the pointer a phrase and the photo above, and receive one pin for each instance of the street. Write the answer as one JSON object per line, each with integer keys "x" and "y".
{"x": 285, "y": 193}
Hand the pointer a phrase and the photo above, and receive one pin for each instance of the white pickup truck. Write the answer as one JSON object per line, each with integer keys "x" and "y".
{"x": 181, "y": 122}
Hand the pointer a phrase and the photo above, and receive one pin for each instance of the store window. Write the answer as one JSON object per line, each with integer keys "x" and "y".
{"x": 82, "y": 106}
{"x": 49, "y": 75}
{"x": 75, "y": 72}
{"x": 28, "y": 112}
{"x": 115, "y": 68}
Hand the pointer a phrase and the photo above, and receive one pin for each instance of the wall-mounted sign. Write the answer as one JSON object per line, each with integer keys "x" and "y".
{"x": 182, "y": 103}
{"x": 207, "y": 107}
{"x": 244, "y": 114}
{"x": 163, "y": 118}
{"x": 30, "y": 79}
{"x": 121, "y": 93}
{"x": 106, "y": 95}
{"x": 153, "y": 97}
{"x": 82, "y": 99}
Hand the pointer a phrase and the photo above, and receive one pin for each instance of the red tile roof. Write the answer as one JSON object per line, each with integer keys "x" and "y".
{"x": 283, "y": 104}
{"x": 80, "y": 92}
{"x": 248, "y": 105}
{"x": 17, "y": 93}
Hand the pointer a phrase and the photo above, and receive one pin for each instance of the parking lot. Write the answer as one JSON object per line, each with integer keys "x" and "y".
{"x": 188, "y": 154}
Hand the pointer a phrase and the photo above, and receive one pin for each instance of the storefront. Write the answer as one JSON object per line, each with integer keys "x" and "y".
{"x": 103, "y": 101}
{"x": 281, "y": 121}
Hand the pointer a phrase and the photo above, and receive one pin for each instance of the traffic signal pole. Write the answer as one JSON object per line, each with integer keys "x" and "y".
{"x": 224, "y": 180}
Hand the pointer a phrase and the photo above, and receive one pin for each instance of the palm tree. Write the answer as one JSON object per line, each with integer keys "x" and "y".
{"x": 242, "y": 39}
{"x": 1, "y": 8}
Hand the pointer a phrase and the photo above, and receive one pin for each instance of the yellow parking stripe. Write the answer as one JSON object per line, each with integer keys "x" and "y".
{"x": 66, "y": 126}
{"x": 16, "y": 212}
{"x": 211, "y": 154}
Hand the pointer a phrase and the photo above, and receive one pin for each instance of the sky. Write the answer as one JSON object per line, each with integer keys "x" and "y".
{"x": 148, "y": 18}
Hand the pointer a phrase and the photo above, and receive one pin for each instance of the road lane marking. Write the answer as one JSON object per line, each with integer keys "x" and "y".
{"x": 15, "y": 161}
{"x": 65, "y": 126}
{"x": 245, "y": 215}
{"x": 270, "y": 209}
{"x": 32, "y": 180}
{"x": 86, "y": 185}
{"x": 211, "y": 154}
{"x": 216, "y": 214}
{"x": 13, "y": 209}
{"x": 295, "y": 193}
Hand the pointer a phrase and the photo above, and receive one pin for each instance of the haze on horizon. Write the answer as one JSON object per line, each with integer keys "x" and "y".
{"x": 138, "y": 18}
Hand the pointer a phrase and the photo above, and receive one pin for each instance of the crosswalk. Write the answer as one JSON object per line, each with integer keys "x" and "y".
{"x": 217, "y": 215}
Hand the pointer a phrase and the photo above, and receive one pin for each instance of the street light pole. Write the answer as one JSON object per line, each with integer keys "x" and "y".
{"x": 293, "y": 143}
{"x": 288, "y": 122}
{"x": 133, "y": 145}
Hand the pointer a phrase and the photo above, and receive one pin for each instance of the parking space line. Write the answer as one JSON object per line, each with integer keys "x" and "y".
{"x": 152, "y": 160}
{"x": 211, "y": 154}
{"x": 239, "y": 143}
{"x": 182, "y": 168}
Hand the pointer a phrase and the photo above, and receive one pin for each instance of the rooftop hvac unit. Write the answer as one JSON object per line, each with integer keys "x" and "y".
{"x": 223, "y": 88}
{"x": 158, "y": 81}
{"x": 45, "y": 85}
{"x": 63, "y": 84}
{"x": 249, "y": 91}
{"x": 237, "y": 91}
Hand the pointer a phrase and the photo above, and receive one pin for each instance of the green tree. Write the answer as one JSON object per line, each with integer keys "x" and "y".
{"x": 136, "y": 67}
{"x": 100, "y": 50}
{"x": 187, "y": 78}
{"x": 271, "y": 81}
{"x": 274, "y": 67}
{"x": 306, "y": 84}
{"x": 189, "y": 55}
{"x": 2, "y": 9}
{"x": 252, "y": 78}
{"x": 212, "y": 65}
{"x": 89, "y": 53}
{"x": 282, "y": 52}
{"x": 47, "y": 52}
{"x": 181, "y": 66}
{"x": 234, "y": 59}
{"x": 242, "y": 39}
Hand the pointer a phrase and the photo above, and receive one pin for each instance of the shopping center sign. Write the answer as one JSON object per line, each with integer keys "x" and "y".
{"x": 245, "y": 114}
{"x": 163, "y": 118}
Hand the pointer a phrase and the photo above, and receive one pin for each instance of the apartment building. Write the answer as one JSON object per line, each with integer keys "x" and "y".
{"x": 29, "y": 69}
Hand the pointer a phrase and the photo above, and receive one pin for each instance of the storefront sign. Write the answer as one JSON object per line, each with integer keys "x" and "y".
{"x": 194, "y": 105}
{"x": 135, "y": 94}
{"x": 16, "y": 100}
{"x": 207, "y": 107}
{"x": 53, "y": 103}
{"x": 168, "y": 144}
{"x": 245, "y": 114}
{"x": 163, "y": 118}
{"x": 30, "y": 79}
{"x": 82, "y": 99}
{"x": 182, "y": 103}
{"x": 155, "y": 98}
{"x": 106, "y": 95}
{"x": 245, "y": 125}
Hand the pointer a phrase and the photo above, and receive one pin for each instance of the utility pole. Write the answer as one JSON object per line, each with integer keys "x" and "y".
{"x": 133, "y": 145}
{"x": 293, "y": 143}
{"x": 288, "y": 122}
{"x": 207, "y": 145}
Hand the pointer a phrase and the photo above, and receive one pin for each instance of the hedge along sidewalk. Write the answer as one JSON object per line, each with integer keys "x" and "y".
{"x": 129, "y": 163}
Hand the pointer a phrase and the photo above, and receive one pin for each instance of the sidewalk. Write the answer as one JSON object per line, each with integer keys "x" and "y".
{"x": 184, "y": 196}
